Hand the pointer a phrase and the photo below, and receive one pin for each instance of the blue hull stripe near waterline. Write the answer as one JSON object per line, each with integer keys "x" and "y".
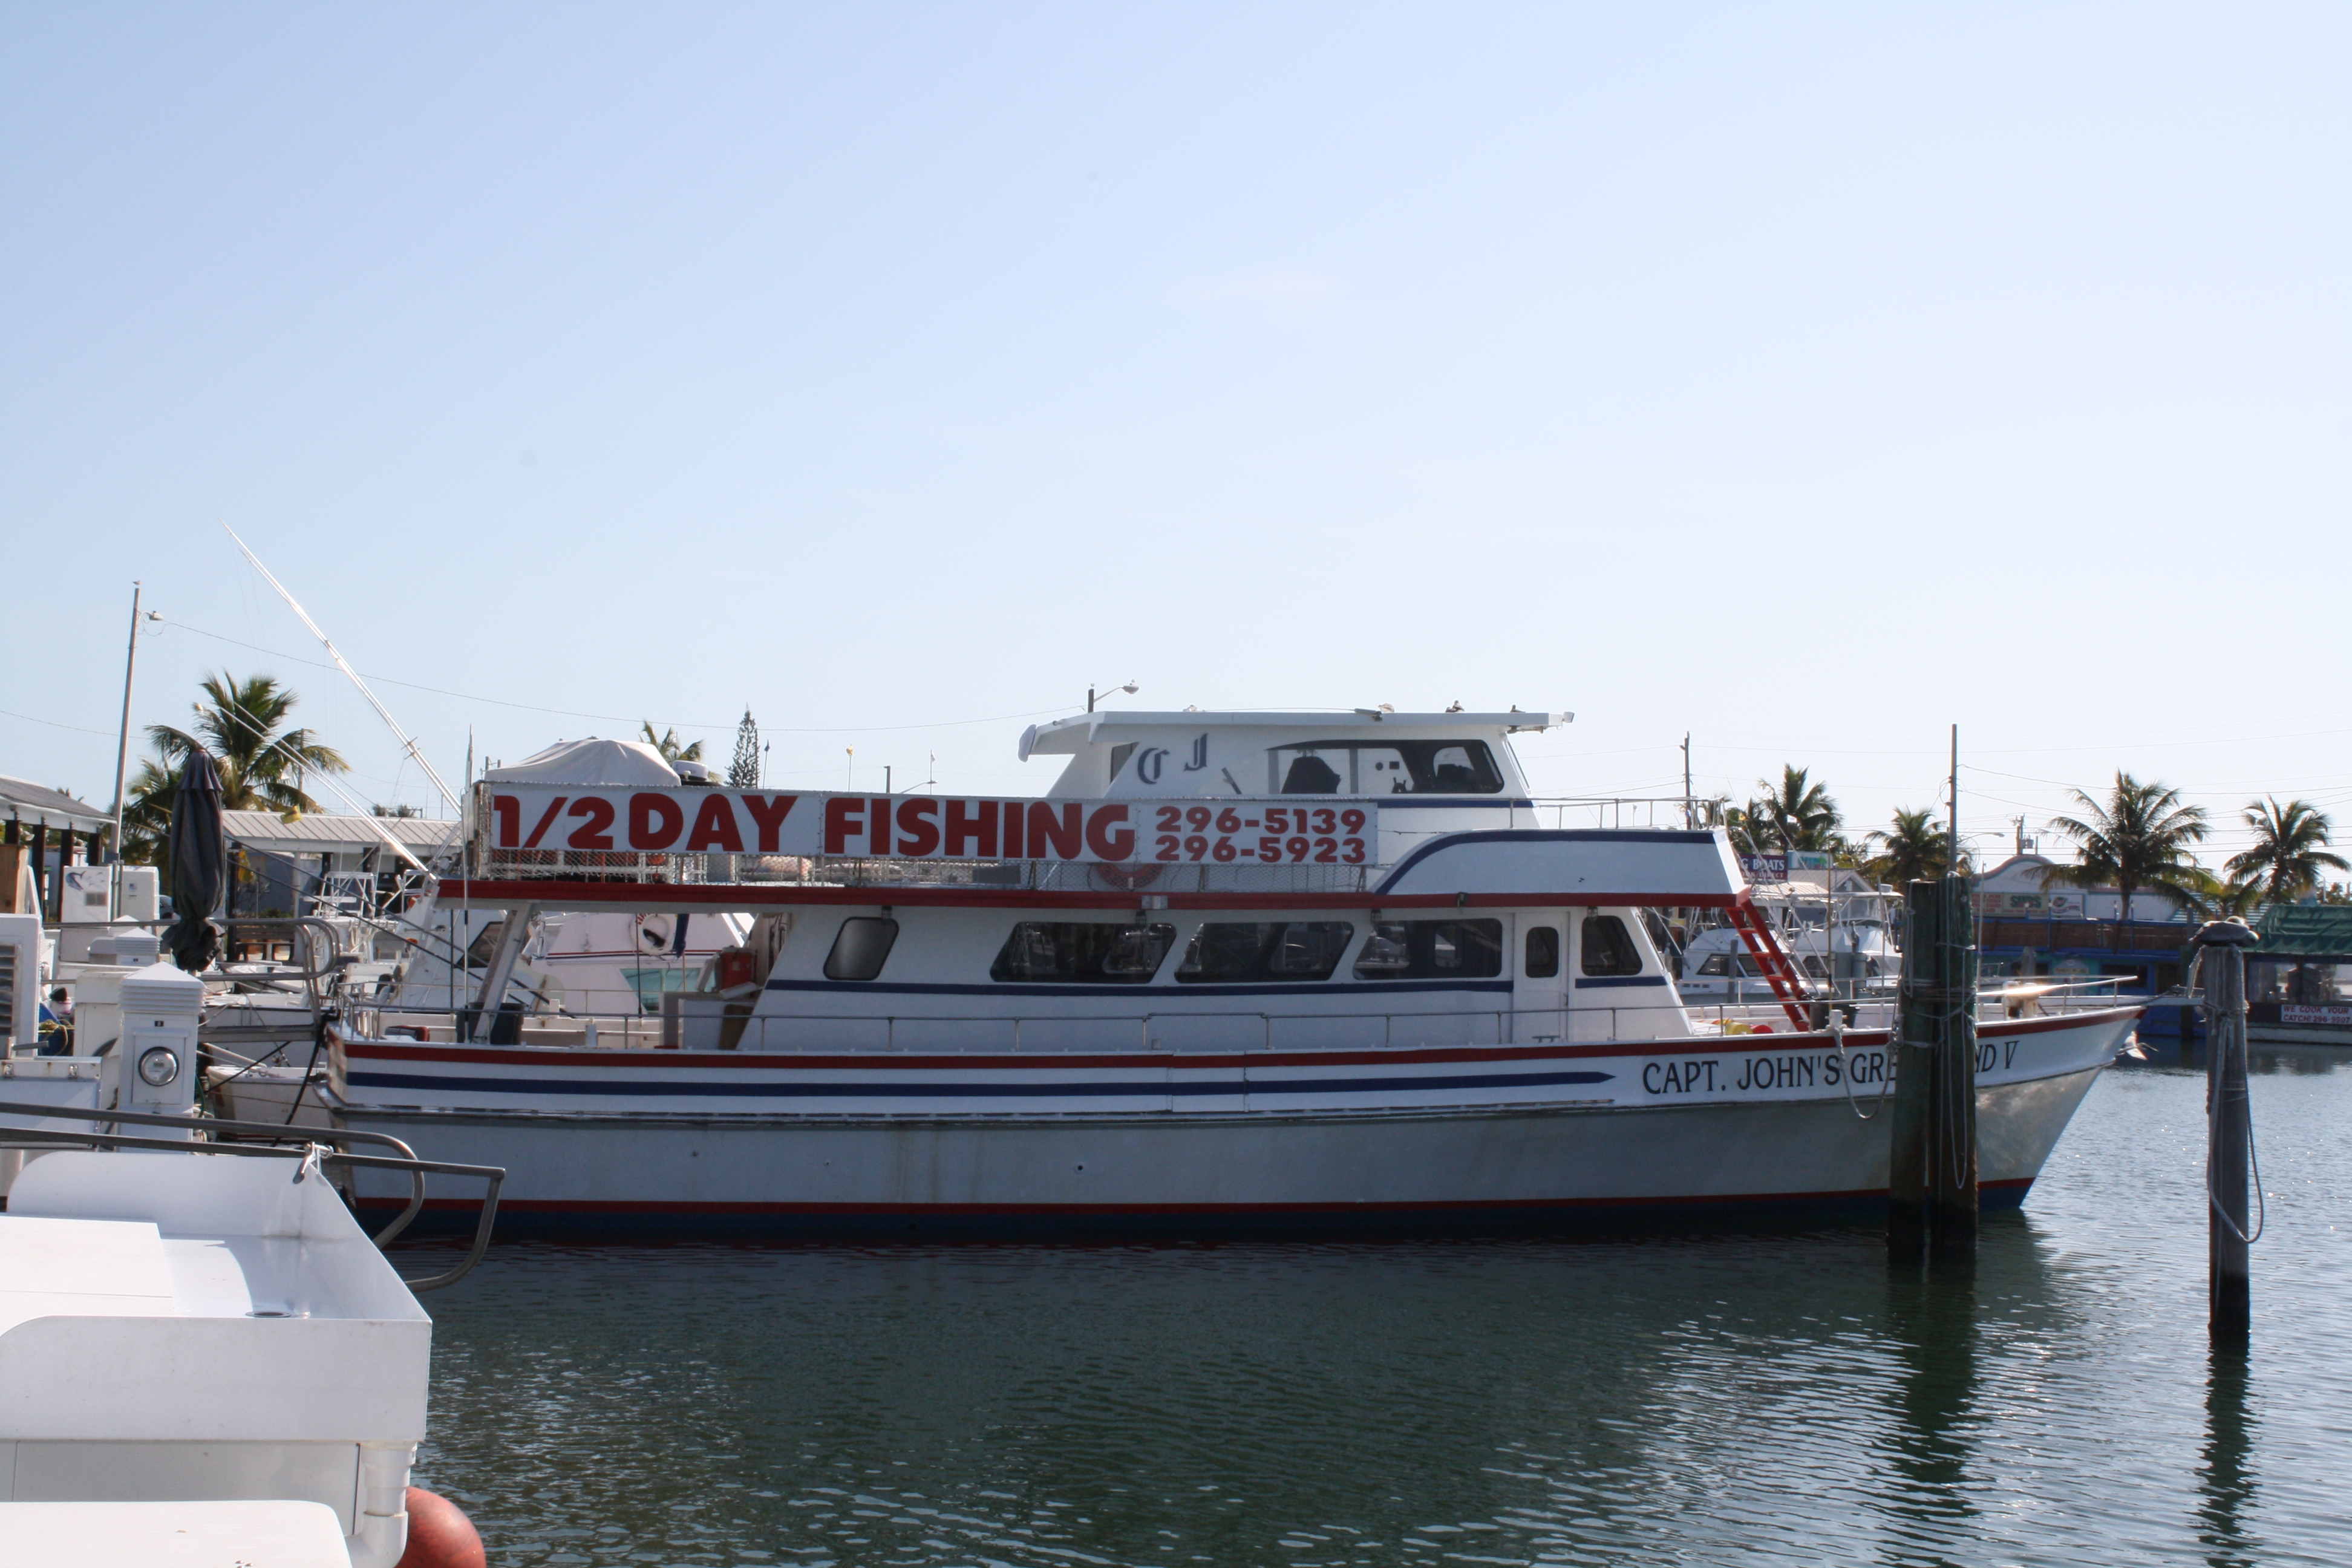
{"x": 1208, "y": 991}
{"x": 1130, "y": 1089}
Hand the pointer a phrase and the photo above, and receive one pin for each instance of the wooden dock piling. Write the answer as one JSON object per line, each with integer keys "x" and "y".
{"x": 2229, "y": 1138}
{"x": 1932, "y": 1152}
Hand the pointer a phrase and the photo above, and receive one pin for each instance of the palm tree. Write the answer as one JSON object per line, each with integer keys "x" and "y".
{"x": 1916, "y": 848}
{"x": 261, "y": 765}
{"x": 668, "y": 746}
{"x": 2288, "y": 849}
{"x": 2139, "y": 839}
{"x": 2234, "y": 900}
{"x": 1799, "y": 812}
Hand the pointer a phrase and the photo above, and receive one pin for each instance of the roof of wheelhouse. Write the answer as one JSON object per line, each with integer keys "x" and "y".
{"x": 1066, "y": 736}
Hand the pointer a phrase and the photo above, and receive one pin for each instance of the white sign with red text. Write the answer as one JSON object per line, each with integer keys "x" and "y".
{"x": 549, "y": 818}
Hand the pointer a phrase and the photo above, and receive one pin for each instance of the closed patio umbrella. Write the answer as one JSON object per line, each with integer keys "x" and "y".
{"x": 199, "y": 863}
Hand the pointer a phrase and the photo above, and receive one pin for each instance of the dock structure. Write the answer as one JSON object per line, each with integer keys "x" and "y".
{"x": 1932, "y": 1157}
{"x": 2230, "y": 1134}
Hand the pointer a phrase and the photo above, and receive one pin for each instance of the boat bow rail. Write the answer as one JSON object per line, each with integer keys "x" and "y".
{"x": 311, "y": 1146}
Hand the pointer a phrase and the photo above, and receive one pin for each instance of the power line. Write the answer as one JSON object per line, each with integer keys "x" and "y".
{"x": 53, "y": 724}
{"x": 615, "y": 718}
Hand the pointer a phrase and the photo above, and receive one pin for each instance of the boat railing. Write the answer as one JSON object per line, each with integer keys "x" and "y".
{"x": 729, "y": 1027}
{"x": 1612, "y": 811}
{"x": 315, "y": 1147}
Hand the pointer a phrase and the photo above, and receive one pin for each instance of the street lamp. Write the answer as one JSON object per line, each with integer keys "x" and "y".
{"x": 1128, "y": 688}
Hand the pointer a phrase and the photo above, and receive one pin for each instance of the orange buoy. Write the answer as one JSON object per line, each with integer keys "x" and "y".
{"x": 440, "y": 1535}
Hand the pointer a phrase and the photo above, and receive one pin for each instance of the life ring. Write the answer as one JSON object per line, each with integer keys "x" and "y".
{"x": 1127, "y": 876}
{"x": 440, "y": 1535}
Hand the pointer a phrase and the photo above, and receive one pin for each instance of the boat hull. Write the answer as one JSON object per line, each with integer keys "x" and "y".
{"x": 1674, "y": 1134}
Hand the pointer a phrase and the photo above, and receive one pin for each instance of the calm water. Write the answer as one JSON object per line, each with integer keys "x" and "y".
{"x": 1756, "y": 1399}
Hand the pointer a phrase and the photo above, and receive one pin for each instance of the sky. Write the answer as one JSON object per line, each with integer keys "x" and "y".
{"x": 1804, "y": 379}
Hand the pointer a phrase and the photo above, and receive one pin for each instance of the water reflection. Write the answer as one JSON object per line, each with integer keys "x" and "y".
{"x": 2163, "y": 1053}
{"x": 1931, "y": 1326}
{"x": 1746, "y": 1399}
{"x": 2225, "y": 1480}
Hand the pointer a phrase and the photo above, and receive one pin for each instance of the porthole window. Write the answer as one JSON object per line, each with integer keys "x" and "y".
{"x": 860, "y": 948}
{"x": 1543, "y": 952}
{"x": 1607, "y": 948}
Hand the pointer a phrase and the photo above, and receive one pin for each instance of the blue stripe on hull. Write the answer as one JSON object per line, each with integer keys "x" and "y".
{"x": 1162, "y": 997}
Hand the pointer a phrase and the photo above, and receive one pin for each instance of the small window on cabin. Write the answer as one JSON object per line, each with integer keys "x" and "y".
{"x": 1815, "y": 968}
{"x": 1543, "y": 952}
{"x": 1225, "y": 953}
{"x": 1394, "y": 767}
{"x": 1716, "y": 964}
{"x": 860, "y": 947}
{"x": 1084, "y": 952}
{"x": 1309, "y": 773}
{"x": 1119, "y": 755}
{"x": 484, "y": 948}
{"x": 1607, "y": 948}
{"x": 1433, "y": 950}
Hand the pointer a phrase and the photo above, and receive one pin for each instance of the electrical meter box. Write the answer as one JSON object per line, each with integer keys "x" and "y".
{"x": 140, "y": 894}
{"x": 160, "y": 1008}
{"x": 86, "y": 895}
{"x": 20, "y": 982}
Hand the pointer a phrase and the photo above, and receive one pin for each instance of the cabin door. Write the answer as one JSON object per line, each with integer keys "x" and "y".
{"x": 1539, "y": 990}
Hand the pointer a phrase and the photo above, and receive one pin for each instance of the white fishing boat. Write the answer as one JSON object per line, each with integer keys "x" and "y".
{"x": 1235, "y": 971}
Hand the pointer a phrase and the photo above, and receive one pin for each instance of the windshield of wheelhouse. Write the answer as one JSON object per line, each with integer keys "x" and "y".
{"x": 1390, "y": 767}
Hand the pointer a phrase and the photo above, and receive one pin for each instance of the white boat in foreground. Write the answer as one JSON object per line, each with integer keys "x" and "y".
{"x": 204, "y": 1360}
{"x": 1237, "y": 973}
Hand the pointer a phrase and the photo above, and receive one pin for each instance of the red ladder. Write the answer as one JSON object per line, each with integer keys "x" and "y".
{"x": 1771, "y": 961}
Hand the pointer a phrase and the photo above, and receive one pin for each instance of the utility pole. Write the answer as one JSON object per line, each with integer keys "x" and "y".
{"x": 1955, "y": 829}
{"x": 1690, "y": 812}
{"x": 122, "y": 753}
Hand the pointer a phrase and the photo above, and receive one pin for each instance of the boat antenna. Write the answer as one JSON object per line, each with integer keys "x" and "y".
{"x": 406, "y": 744}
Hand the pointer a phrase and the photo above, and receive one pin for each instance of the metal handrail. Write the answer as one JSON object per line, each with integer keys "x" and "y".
{"x": 368, "y": 1023}
{"x": 493, "y": 1176}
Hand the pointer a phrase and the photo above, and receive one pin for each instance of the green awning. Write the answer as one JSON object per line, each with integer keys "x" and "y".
{"x": 2305, "y": 931}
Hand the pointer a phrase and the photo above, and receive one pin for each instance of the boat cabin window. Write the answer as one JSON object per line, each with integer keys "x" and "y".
{"x": 860, "y": 947}
{"x": 1543, "y": 952}
{"x": 1737, "y": 964}
{"x": 1608, "y": 948}
{"x": 484, "y": 948}
{"x": 1431, "y": 949}
{"x": 1090, "y": 953}
{"x": 1278, "y": 950}
{"x": 1397, "y": 767}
